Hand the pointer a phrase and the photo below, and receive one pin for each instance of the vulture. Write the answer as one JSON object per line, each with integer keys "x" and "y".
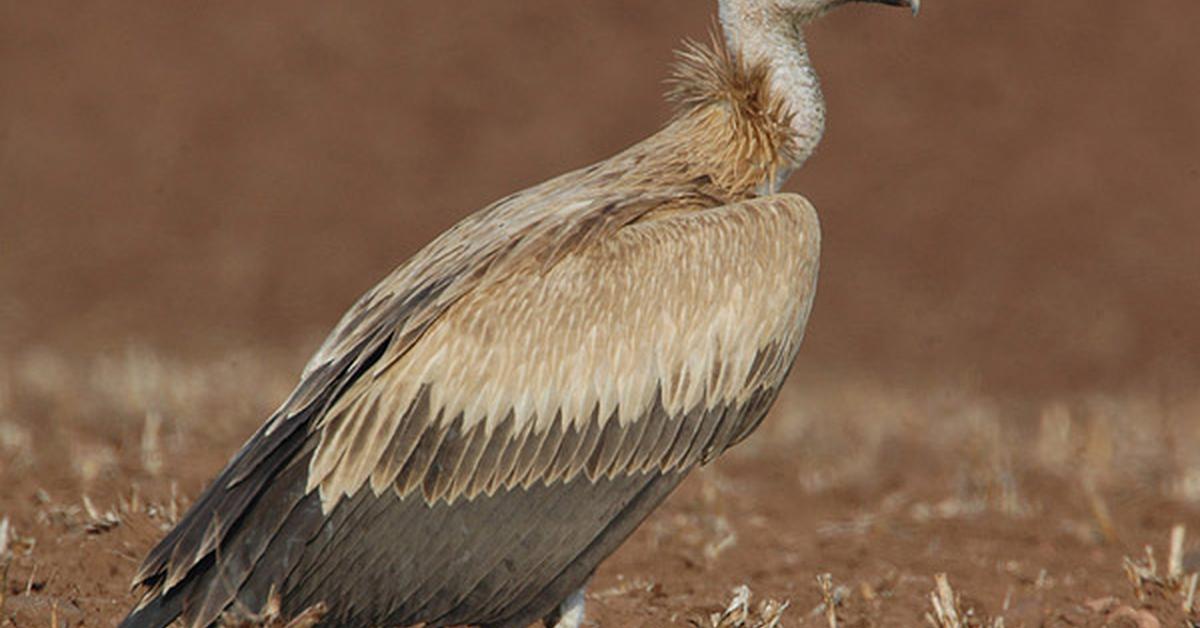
{"x": 493, "y": 419}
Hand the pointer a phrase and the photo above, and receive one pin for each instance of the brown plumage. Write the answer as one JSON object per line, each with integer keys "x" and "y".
{"x": 491, "y": 420}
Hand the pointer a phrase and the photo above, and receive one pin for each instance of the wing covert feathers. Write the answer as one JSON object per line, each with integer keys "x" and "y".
{"x": 541, "y": 377}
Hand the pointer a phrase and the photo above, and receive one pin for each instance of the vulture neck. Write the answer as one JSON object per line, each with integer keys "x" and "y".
{"x": 760, "y": 34}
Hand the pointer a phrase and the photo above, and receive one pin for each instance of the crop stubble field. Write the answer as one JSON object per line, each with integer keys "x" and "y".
{"x": 999, "y": 382}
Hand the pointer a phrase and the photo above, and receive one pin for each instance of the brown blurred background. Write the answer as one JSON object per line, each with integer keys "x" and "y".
{"x": 1010, "y": 191}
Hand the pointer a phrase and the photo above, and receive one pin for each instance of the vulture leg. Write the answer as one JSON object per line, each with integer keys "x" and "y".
{"x": 569, "y": 614}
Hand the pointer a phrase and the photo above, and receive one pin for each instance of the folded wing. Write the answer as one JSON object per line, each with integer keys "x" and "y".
{"x": 557, "y": 368}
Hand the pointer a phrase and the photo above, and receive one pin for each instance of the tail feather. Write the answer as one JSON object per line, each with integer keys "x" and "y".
{"x": 183, "y": 574}
{"x": 268, "y": 524}
{"x": 199, "y": 568}
{"x": 157, "y": 610}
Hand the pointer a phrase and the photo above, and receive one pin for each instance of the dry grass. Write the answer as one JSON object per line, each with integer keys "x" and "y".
{"x": 1028, "y": 505}
{"x": 1174, "y": 588}
{"x": 948, "y": 610}
{"x": 843, "y": 433}
{"x": 740, "y": 613}
{"x": 831, "y": 599}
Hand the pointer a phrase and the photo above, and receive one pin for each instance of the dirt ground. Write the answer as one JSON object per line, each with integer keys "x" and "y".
{"x": 1000, "y": 378}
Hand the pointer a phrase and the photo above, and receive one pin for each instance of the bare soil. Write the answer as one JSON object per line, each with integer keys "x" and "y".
{"x": 1000, "y": 378}
{"x": 1031, "y": 516}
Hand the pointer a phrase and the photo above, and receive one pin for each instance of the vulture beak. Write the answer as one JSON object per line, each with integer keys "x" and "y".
{"x": 913, "y": 5}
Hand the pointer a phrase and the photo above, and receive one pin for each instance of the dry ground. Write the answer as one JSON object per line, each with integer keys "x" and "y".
{"x": 1000, "y": 377}
{"x": 1038, "y": 515}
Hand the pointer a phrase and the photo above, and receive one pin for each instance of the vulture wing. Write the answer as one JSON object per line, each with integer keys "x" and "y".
{"x": 491, "y": 421}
